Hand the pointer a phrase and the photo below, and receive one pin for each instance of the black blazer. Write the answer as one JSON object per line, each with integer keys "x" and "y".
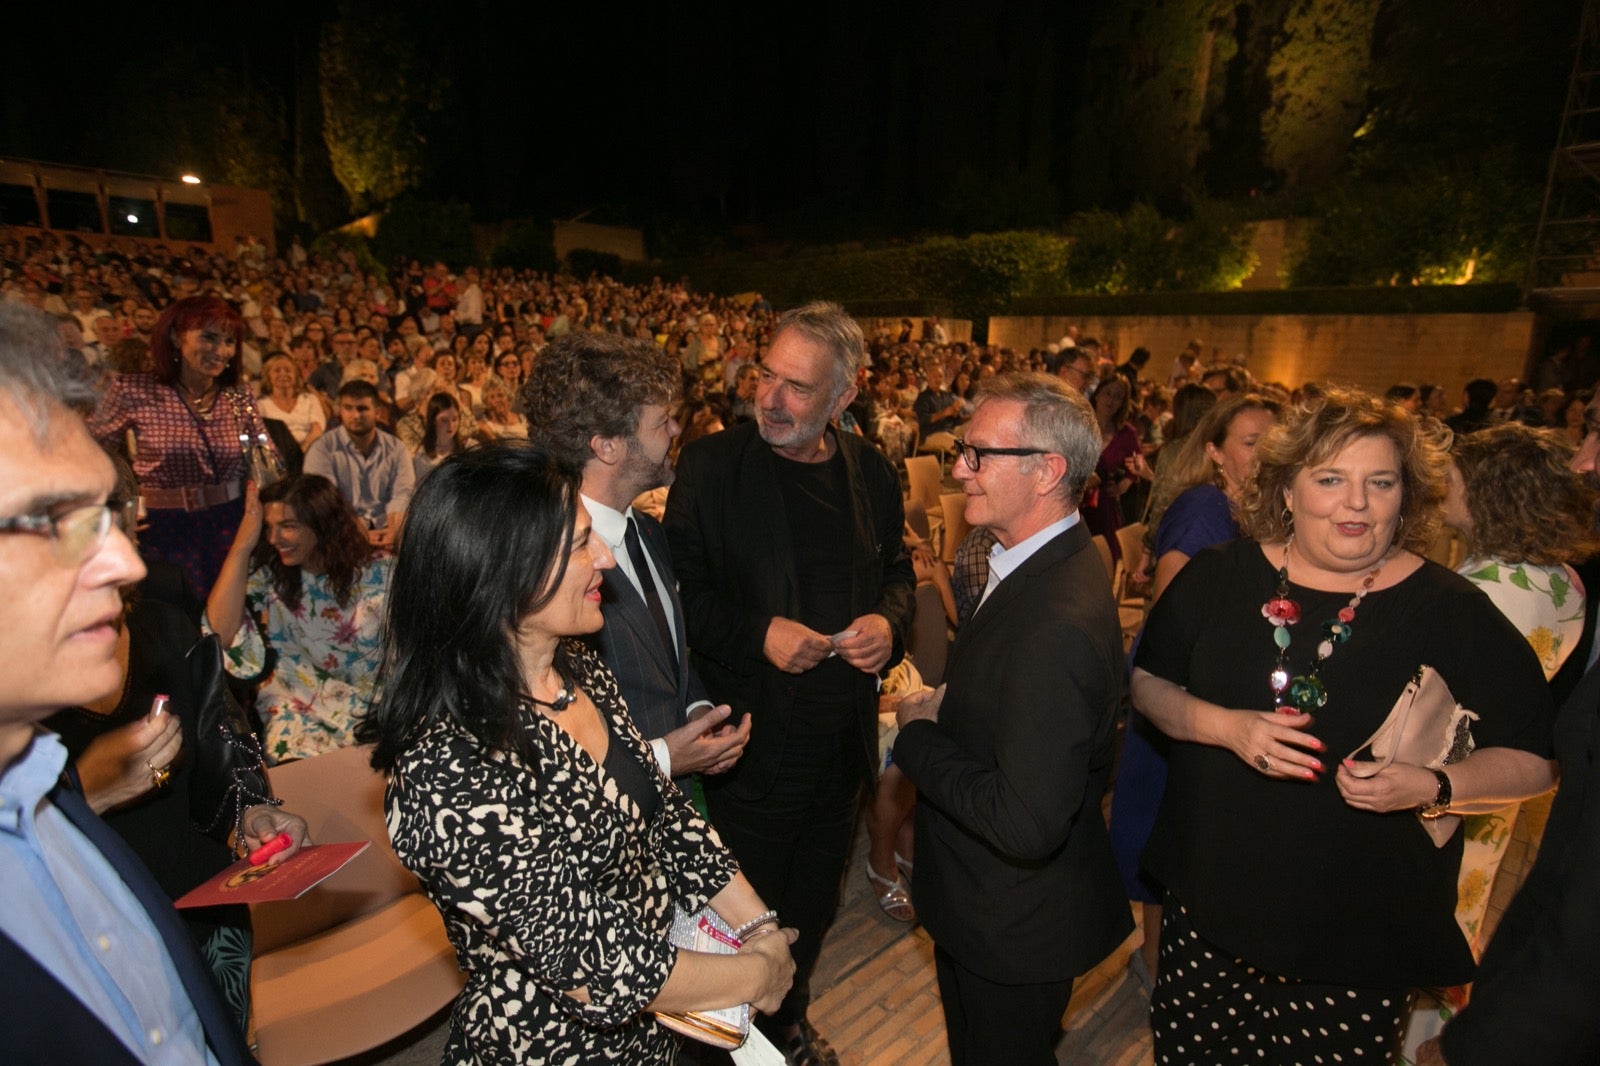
{"x": 656, "y": 689}
{"x": 735, "y": 565}
{"x": 1015, "y": 877}
{"x": 42, "y": 1022}
{"x": 1534, "y": 996}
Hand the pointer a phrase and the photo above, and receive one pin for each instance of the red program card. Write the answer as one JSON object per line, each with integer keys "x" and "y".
{"x": 290, "y": 879}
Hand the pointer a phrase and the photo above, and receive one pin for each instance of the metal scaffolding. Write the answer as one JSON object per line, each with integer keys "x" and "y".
{"x": 1565, "y": 272}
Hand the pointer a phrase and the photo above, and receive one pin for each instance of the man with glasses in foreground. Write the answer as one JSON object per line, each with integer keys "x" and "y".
{"x": 1015, "y": 881}
{"x": 95, "y": 965}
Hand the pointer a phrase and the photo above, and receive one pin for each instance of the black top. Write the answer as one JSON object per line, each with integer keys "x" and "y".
{"x": 1285, "y": 873}
{"x": 633, "y": 779}
{"x": 814, "y": 499}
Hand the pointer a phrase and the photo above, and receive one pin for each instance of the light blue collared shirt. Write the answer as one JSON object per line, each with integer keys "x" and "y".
{"x": 66, "y": 906}
{"x": 1003, "y": 562}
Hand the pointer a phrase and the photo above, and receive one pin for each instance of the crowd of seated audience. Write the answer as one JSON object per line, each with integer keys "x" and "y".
{"x": 377, "y": 380}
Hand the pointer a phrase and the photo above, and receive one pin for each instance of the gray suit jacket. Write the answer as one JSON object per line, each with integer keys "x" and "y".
{"x": 656, "y": 690}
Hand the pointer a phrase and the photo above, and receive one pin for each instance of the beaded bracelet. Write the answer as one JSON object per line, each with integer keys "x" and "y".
{"x": 755, "y": 923}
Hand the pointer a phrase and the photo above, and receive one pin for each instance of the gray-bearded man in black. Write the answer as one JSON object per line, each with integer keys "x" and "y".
{"x": 786, "y": 540}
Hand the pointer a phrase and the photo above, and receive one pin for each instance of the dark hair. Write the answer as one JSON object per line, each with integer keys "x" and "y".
{"x": 1233, "y": 380}
{"x": 1480, "y": 392}
{"x": 1140, "y": 356}
{"x": 1124, "y": 406}
{"x": 1400, "y": 393}
{"x": 449, "y": 647}
{"x": 585, "y": 385}
{"x": 1189, "y": 405}
{"x": 356, "y": 389}
{"x": 1527, "y": 504}
{"x": 342, "y": 544}
{"x": 438, "y": 404}
{"x": 196, "y": 312}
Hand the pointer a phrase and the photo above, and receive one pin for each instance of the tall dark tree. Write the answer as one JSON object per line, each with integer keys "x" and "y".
{"x": 380, "y": 90}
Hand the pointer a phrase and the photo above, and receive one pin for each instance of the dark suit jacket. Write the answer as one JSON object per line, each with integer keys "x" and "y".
{"x": 735, "y": 565}
{"x": 42, "y": 1022}
{"x": 1534, "y": 999}
{"x": 656, "y": 689}
{"x": 1015, "y": 877}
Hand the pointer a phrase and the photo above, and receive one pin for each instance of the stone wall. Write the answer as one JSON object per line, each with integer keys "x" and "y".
{"x": 1373, "y": 351}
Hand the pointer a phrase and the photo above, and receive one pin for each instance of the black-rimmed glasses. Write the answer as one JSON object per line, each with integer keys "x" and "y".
{"x": 973, "y": 455}
{"x": 77, "y": 532}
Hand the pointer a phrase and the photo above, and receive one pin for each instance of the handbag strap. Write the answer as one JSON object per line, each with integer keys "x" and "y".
{"x": 1395, "y": 727}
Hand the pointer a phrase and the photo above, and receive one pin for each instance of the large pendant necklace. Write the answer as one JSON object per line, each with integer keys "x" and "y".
{"x": 1305, "y": 692}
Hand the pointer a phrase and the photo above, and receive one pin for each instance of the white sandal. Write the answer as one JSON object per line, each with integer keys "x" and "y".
{"x": 892, "y": 897}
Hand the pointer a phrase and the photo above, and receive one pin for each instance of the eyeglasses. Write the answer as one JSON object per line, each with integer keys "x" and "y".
{"x": 973, "y": 455}
{"x": 78, "y": 532}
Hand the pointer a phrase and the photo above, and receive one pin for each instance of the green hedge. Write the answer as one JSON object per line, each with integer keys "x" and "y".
{"x": 1386, "y": 300}
{"x": 987, "y": 273}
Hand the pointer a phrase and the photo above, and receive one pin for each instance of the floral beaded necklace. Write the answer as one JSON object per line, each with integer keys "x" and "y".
{"x": 1305, "y": 692}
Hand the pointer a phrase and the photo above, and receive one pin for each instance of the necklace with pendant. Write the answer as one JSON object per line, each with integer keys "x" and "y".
{"x": 565, "y": 697}
{"x": 1306, "y": 692}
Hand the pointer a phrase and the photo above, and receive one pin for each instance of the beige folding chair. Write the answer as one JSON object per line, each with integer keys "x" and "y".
{"x": 1130, "y": 539}
{"x": 361, "y": 958}
{"x": 926, "y": 481}
{"x": 953, "y": 505}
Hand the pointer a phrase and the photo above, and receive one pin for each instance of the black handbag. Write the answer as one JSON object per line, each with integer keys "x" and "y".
{"x": 229, "y": 775}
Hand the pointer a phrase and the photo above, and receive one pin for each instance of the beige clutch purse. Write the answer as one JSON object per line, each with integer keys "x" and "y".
{"x": 1425, "y": 727}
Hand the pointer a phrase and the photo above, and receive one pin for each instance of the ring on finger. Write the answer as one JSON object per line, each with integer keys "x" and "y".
{"x": 160, "y": 776}
{"x": 1263, "y": 764}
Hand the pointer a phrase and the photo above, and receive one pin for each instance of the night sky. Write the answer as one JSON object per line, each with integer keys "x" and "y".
{"x": 832, "y": 118}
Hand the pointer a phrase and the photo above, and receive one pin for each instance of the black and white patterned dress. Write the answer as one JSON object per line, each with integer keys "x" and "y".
{"x": 549, "y": 880}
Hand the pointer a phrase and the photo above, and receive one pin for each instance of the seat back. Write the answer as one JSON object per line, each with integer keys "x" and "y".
{"x": 928, "y": 641}
{"x": 1130, "y": 538}
{"x": 340, "y": 796}
{"x": 917, "y": 518}
{"x": 954, "y": 507}
{"x": 926, "y": 481}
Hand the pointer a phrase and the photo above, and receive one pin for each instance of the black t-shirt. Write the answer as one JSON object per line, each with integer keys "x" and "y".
{"x": 1285, "y": 873}
{"x": 815, "y": 501}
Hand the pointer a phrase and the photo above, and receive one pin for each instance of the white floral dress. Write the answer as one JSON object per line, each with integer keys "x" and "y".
{"x": 327, "y": 659}
{"x": 1546, "y": 604}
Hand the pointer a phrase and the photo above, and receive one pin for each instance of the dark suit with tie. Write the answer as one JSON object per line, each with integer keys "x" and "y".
{"x": 1015, "y": 878}
{"x": 42, "y": 1022}
{"x": 787, "y": 810}
{"x": 657, "y": 686}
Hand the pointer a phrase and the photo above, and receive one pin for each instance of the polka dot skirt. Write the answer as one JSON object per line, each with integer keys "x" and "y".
{"x": 1209, "y": 1006}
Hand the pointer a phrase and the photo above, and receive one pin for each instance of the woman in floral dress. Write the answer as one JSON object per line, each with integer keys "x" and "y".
{"x": 1526, "y": 517}
{"x": 312, "y": 592}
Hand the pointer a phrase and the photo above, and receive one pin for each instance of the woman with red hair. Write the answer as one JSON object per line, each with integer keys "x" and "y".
{"x": 185, "y": 427}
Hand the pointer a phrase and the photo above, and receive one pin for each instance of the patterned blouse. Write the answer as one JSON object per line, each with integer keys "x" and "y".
{"x": 1545, "y": 603}
{"x": 549, "y": 880}
{"x": 327, "y": 664}
{"x": 176, "y": 447}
